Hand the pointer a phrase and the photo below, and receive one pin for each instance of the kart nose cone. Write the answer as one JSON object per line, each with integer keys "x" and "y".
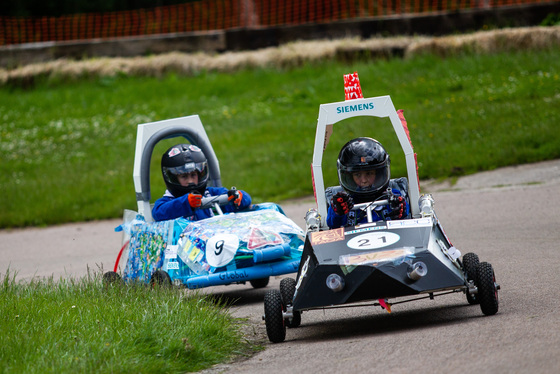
{"x": 335, "y": 282}
{"x": 417, "y": 270}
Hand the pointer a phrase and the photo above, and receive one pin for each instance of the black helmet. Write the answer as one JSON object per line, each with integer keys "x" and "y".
{"x": 181, "y": 159}
{"x": 363, "y": 154}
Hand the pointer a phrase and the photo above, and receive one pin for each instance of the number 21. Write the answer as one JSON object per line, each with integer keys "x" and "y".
{"x": 366, "y": 242}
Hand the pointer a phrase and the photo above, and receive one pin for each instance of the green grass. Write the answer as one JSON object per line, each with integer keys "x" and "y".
{"x": 67, "y": 148}
{"x": 80, "y": 326}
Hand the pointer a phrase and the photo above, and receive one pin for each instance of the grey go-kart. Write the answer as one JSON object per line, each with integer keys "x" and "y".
{"x": 381, "y": 263}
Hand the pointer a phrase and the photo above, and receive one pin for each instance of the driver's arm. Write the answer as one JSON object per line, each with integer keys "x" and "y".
{"x": 400, "y": 207}
{"x": 334, "y": 220}
{"x": 168, "y": 207}
{"x": 245, "y": 199}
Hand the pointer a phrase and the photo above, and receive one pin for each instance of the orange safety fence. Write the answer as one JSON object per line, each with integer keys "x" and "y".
{"x": 206, "y": 15}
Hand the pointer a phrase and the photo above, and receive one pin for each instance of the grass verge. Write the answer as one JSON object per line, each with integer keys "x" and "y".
{"x": 82, "y": 326}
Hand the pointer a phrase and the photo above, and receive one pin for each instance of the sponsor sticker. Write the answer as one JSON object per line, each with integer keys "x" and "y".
{"x": 303, "y": 272}
{"x": 365, "y": 229}
{"x": 329, "y": 236}
{"x": 170, "y": 252}
{"x": 259, "y": 238}
{"x": 373, "y": 258}
{"x": 406, "y": 223}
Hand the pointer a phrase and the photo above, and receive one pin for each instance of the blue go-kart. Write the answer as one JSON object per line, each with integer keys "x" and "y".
{"x": 247, "y": 246}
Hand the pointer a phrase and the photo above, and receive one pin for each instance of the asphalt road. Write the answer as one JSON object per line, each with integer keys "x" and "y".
{"x": 509, "y": 217}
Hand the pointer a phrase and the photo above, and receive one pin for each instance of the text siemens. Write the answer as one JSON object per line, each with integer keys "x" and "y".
{"x": 354, "y": 108}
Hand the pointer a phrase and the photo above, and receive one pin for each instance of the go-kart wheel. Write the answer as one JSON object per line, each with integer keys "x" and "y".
{"x": 160, "y": 279}
{"x": 259, "y": 283}
{"x": 470, "y": 263}
{"x": 275, "y": 328}
{"x": 111, "y": 278}
{"x": 287, "y": 290}
{"x": 487, "y": 289}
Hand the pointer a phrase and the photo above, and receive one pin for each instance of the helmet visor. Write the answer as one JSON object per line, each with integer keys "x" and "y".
{"x": 201, "y": 168}
{"x": 364, "y": 180}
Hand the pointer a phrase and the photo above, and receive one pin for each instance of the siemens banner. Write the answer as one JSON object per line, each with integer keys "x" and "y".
{"x": 353, "y": 108}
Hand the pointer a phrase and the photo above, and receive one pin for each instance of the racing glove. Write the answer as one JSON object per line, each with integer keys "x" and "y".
{"x": 342, "y": 203}
{"x": 236, "y": 196}
{"x": 398, "y": 207}
{"x": 195, "y": 200}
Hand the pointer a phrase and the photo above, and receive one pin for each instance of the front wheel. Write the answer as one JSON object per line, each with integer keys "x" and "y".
{"x": 160, "y": 278}
{"x": 487, "y": 289}
{"x": 470, "y": 263}
{"x": 112, "y": 278}
{"x": 287, "y": 290}
{"x": 259, "y": 283}
{"x": 275, "y": 328}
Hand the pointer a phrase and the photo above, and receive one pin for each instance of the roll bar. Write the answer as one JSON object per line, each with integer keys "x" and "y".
{"x": 330, "y": 114}
{"x": 149, "y": 134}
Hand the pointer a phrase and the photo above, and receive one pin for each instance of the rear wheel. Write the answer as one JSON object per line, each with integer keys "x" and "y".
{"x": 259, "y": 283}
{"x": 470, "y": 263}
{"x": 160, "y": 278}
{"x": 275, "y": 328}
{"x": 111, "y": 278}
{"x": 287, "y": 290}
{"x": 487, "y": 289}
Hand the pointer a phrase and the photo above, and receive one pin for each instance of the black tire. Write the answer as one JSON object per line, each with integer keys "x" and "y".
{"x": 275, "y": 327}
{"x": 470, "y": 263}
{"x": 287, "y": 290}
{"x": 111, "y": 278}
{"x": 259, "y": 283}
{"x": 161, "y": 279}
{"x": 487, "y": 289}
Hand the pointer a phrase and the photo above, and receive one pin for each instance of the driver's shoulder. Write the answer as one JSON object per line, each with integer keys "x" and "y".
{"x": 213, "y": 191}
{"x": 331, "y": 191}
{"x": 399, "y": 184}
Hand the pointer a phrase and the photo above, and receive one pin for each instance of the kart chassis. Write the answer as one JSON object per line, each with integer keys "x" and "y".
{"x": 331, "y": 274}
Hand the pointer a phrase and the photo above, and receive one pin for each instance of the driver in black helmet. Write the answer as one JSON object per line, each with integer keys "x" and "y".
{"x": 185, "y": 172}
{"x": 364, "y": 175}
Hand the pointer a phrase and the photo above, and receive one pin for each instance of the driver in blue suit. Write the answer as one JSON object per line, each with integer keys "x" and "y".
{"x": 364, "y": 175}
{"x": 185, "y": 172}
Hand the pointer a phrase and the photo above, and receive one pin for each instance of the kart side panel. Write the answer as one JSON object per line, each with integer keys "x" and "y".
{"x": 266, "y": 243}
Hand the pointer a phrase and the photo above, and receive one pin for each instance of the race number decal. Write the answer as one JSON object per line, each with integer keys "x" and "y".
{"x": 220, "y": 249}
{"x": 373, "y": 240}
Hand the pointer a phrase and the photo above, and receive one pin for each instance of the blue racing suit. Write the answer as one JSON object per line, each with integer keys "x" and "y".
{"x": 399, "y": 187}
{"x": 171, "y": 207}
